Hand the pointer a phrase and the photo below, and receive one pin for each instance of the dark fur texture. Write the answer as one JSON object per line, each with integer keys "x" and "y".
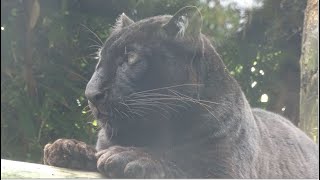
{"x": 168, "y": 108}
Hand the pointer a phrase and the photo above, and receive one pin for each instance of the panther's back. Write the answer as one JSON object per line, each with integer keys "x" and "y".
{"x": 295, "y": 154}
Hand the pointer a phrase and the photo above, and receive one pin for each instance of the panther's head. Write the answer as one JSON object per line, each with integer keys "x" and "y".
{"x": 149, "y": 71}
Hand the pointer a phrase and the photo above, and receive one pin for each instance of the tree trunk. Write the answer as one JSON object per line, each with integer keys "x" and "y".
{"x": 31, "y": 16}
{"x": 309, "y": 92}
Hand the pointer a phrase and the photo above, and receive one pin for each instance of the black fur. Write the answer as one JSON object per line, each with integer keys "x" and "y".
{"x": 168, "y": 108}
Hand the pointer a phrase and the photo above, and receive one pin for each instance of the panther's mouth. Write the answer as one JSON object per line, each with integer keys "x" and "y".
{"x": 115, "y": 114}
{"x": 99, "y": 114}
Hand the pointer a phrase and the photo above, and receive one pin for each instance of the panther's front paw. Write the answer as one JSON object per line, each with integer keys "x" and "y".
{"x": 70, "y": 153}
{"x": 128, "y": 162}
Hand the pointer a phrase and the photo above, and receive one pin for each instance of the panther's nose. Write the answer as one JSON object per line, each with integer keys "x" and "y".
{"x": 96, "y": 97}
{"x": 94, "y": 90}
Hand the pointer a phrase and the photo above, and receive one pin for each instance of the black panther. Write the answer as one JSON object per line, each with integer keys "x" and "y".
{"x": 168, "y": 108}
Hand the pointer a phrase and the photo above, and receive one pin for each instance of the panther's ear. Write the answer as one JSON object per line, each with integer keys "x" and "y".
{"x": 122, "y": 21}
{"x": 186, "y": 22}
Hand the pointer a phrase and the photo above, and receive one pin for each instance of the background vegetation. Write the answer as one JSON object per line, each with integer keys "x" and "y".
{"x": 48, "y": 47}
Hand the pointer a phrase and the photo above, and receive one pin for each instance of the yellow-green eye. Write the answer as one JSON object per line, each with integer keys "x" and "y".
{"x": 132, "y": 57}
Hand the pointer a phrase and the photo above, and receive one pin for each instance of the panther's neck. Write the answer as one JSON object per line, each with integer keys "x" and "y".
{"x": 224, "y": 110}
{"x": 216, "y": 118}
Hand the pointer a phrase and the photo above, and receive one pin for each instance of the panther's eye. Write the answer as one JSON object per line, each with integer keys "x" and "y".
{"x": 132, "y": 57}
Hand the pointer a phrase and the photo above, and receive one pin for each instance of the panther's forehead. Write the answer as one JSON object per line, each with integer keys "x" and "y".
{"x": 144, "y": 32}
{"x": 137, "y": 31}
{"x": 144, "y": 24}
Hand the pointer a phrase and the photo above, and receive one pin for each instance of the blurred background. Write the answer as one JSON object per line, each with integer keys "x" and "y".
{"x": 48, "y": 55}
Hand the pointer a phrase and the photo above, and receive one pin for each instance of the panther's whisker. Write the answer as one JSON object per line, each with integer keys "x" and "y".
{"x": 127, "y": 115}
{"x": 154, "y": 104}
{"x": 93, "y": 33}
{"x": 97, "y": 43}
{"x": 200, "y": 101}
{"x": 180, "y": 85}
{"x": 134, "y": 112}
{"x": 163, "y": 95}
{"x": 211, "y": 102}
{"x": 151, "y": 95}
{"x": 118, "y": 112}
{"x": 95, "y": 47}
{"x": 143, "y": 107}
{"x": 111, "y": 134}
{"x": 171, "y": 98}
{"x": 178, "y": 96}
{"x": 207, "y": 107}
{"x": 138, "y": 112}
{"x": 148, "y": 101}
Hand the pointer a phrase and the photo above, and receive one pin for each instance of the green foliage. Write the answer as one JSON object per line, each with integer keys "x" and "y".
{"x": 63, "y": 49}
